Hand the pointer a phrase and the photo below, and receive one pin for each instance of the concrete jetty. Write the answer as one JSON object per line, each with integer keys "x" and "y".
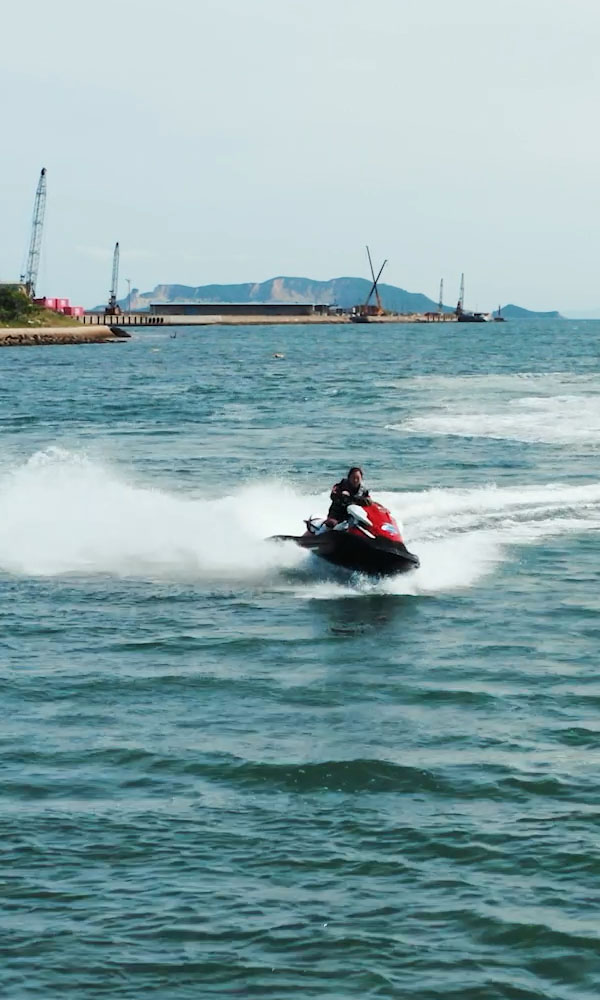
{"x": 209, "y": 319}
{"x": 125, "y": 320}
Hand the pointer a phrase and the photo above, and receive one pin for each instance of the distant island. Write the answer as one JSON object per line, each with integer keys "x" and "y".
{"x": 517, "y": 312}
{"x": 341, "y": 292}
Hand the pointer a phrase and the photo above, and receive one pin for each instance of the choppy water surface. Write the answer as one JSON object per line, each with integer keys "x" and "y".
{"x": 229, "y": 770}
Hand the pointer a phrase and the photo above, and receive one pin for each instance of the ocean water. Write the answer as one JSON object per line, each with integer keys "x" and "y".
{"x": 229, "y": 770}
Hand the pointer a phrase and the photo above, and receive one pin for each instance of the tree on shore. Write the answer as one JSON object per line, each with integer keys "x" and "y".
{"x": 15, "y": 304}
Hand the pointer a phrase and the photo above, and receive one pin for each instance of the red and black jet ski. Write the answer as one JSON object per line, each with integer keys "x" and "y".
{"x": 368, "y": 541}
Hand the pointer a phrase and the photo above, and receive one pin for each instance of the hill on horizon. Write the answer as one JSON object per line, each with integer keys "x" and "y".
{"x": 517, "y": 312}
{"x": 343, "y": 292}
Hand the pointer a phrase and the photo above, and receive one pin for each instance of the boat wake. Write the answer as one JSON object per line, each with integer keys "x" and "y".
{"x": 553, "y": 409}
{"x": 61, "y": 513}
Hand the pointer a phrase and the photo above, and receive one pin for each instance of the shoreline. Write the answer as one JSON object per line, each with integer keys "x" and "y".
{"x": 103, "y": 332}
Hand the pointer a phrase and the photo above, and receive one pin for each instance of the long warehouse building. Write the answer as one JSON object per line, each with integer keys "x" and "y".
{"x": 239, "y": 309}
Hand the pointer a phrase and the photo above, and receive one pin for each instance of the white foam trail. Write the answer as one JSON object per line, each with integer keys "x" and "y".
{"x": 62, "y": 513}
{"x": 558, "y": 421}
{"x": 438, "y": 512}
{"x": 564, "y": 410}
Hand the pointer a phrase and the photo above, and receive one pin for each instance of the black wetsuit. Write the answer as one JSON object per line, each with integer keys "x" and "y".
{"x": 339, "y": 503}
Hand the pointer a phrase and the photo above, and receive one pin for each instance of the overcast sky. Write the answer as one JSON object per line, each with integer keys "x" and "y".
{"x": 236, "y": 140}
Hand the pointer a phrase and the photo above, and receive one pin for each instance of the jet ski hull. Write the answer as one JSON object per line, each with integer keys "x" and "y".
{"x": 373, "y": 556}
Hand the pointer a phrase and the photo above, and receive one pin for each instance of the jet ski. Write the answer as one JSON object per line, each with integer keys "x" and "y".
{"x": 368, "y": 541}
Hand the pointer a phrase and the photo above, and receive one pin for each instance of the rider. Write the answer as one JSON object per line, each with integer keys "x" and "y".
{"x": 347, "y": 491}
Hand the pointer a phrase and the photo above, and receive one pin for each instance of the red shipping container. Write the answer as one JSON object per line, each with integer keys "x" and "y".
{"x": 60, "y": 304}
{"x": 46, "y": 303}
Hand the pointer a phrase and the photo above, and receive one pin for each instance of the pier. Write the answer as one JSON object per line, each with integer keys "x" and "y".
{"x": 210, "y": 319}
{"x": 146, "y": 319}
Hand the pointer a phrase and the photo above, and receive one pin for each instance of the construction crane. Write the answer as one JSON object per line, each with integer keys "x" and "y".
{"x": 461, "y": 298}
{"x": 112, "y": 306}
{"x": 35, "y": 244}
{"x": 361, "y": 313}
{"x": 365, "y": 308}
{"x": 375, "y": 280}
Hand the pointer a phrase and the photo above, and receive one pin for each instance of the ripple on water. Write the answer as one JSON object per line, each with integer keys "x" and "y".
{"x": 228, "y": 770}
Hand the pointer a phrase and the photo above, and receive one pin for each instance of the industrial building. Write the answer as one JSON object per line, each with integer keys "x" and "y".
{"x": 239, "y": 309}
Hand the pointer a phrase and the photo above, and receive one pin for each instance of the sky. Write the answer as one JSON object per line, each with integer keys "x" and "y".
{"x": 236, "y": 140}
